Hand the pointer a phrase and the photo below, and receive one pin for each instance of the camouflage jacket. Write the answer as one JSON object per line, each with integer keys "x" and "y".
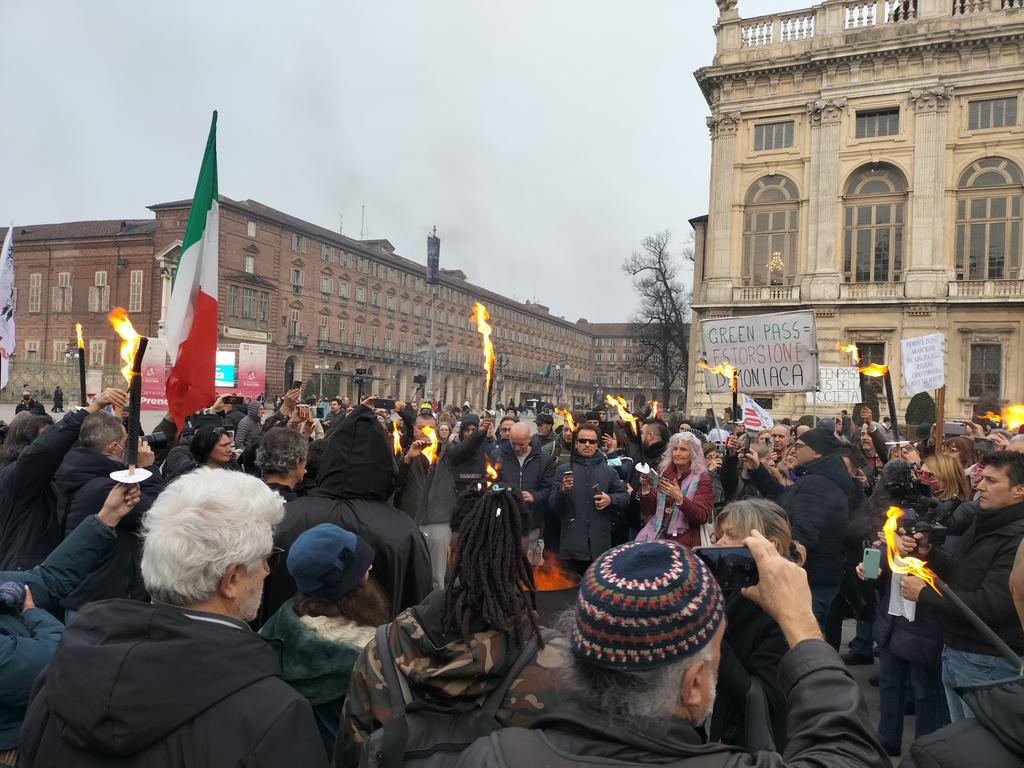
{"x": 444, "y": 670}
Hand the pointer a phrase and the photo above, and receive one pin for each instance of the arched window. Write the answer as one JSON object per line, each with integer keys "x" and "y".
{"x": 988, "y": 219}
{"x": 873, "y": 213}
{"x": 770, "y": 232}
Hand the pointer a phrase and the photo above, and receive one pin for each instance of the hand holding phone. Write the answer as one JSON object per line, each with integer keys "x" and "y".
{"x": 732, "y": 567}
{"x": 871, "y": 563}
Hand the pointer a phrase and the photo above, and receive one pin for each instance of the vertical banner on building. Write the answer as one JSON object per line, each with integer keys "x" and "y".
{"x": 154, "y": 376}
{"x": 7, "y": 302}
{"x": 252, "y": 370}
{"x": 433, "y": 258}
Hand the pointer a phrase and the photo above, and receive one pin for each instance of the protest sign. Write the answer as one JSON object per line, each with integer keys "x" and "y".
{"x": 755, "y": 418}
{"x": 924, "y": 364}
{"x": 773, "y": 353}
{"x": 837, "y": 386}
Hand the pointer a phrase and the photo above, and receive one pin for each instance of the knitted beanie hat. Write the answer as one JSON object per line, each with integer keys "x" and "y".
{"x": 821, "y": 441}
{"x": 645, "y": 605}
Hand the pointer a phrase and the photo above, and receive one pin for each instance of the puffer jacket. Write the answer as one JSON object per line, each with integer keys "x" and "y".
{"x": 818, "y": 506}
{"x": 249, "y": 428}
{"x": 443, "y": 671}
{"x": 586, "y": 531}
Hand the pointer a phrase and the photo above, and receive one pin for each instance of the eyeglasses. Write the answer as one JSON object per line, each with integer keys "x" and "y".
{"x": 272, "y": 560}
{"x": 585, "y": 441}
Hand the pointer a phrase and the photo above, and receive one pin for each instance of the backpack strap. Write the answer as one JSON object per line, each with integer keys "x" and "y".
{"x": 493, "y": 701}
{"x": 396, "y": 732}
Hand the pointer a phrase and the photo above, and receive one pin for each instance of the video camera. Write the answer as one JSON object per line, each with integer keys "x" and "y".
{"x": 909, "y": 493}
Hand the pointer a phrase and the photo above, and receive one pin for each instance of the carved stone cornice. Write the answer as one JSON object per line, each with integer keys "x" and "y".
{"x": 726, "y": 5}
{"x": 826, "y": 111}
{"x": 723, "y": 124}
{"x": 933, "y": 99}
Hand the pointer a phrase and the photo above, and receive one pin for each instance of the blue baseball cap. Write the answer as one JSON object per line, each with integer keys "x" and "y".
{"x": 328, "y": 561}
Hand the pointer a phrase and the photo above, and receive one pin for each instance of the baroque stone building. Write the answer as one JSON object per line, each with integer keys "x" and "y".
{"x": 868, "y": 162}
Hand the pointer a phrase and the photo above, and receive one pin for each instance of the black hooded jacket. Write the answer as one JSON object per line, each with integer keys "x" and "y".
{"x": 80, "y": 465}
{"x": 818, "y": 507}
{"x": 355, "y": 483}
{"x": 136, "y": 684}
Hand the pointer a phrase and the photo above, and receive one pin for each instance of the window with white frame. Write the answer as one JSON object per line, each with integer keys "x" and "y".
{"x": 326, "y": 252}
{"x": 326, "y": 286}
{"x": 360, "y": 294}
{"x": 135, "y": 291}
{"x": 295, "y": 323}
{"x": 343, "y": 289}
{"x": 59, "y": 348}
{"x": 325, "y": 332}
{"x": 404, "y": 307}
{"x": 298, "y": 243}
{"x": 32, "y": 350}
{"x": 250, "y": 263}
{"x": 97, "y": 352}
{"x": 298, "y": 280}
{"x": 362, "y": 264}
{"x": 99, "y": 293}
{"x": 388, "y": 340}
{"x": 391, "y": 303}
{"x": 342, "y": 331}
{"x": 417, "y": 309}
{"x": 250, "y": 229}
{"x": 374, "y": 337}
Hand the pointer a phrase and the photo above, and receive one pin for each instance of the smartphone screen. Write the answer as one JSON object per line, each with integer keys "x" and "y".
{"x": 383, "y": 402}
{"x": 733, "y": 567}
{"x": 872, "y": 563}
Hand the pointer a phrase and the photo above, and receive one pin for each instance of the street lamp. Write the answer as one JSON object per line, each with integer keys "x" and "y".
{"x": 321, "y": 366}
{"x": 70, "y": 355}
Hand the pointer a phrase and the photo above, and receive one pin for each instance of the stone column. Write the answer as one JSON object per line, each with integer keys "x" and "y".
{"x": 717, "y": 284}
{"x": 826, "y": 116}
{"x": 927, "y": 273}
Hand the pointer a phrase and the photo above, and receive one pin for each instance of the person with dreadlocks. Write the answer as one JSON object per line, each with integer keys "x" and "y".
{"x": 458, "y": 645}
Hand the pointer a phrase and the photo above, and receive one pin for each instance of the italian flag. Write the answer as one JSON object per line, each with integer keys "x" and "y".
{"x": 191, "y": 326}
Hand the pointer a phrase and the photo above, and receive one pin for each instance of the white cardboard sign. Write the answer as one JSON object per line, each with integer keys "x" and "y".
{"x": 924, "y": 363}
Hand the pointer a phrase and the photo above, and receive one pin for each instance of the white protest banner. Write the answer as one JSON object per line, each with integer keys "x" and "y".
{"x": 837, "y": 386}
{"x": 755, "y": 418}
{"x": 773, "y": 353}
{"x": 924, "y": 363}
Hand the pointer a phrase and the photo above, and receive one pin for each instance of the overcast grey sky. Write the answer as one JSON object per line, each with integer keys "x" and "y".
{"x": 544, "y": 139}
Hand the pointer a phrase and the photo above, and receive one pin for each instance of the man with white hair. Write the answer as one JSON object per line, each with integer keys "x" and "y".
{"x": 181, "y": 681}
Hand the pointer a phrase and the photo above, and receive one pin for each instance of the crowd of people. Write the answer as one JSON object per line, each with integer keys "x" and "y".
{"x": 311, "y": 583}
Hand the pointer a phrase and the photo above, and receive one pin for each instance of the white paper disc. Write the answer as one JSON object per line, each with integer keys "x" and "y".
{"x": 124, "y": 475}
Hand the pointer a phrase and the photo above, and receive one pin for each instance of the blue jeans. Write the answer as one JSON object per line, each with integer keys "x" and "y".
{"x": 963, "y": 668}
{"x": 822, "y": 598}
{"x": 929, "y": 700}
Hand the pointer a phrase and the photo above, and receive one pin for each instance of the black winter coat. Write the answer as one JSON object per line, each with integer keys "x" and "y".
{"x": 993, "y": 738}
{"x": 535, "y": 475}
{"x": 586, "y": 531}
{"x": 980, "y": 576}
{"x": 119, "y": 573}
{"x": 818, "y": 507}
{"x": 152, "y": 685}
{"x": 80, "y": 465}
{"x": 28, "y": 502}
{"x": 827, "y": 719}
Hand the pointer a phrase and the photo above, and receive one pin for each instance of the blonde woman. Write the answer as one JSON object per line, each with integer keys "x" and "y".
{"x": 750, "y": 707}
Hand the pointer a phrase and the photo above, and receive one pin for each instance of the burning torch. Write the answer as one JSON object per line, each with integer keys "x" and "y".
{"x": 430, "y": 452}
{"x": 878, "y": 370}
{"x": 396, "y": 438}
{"x": 733, "y": 375}
{"x": 483, "y": 327}
{"x": 571, "y": 424}
{"x": 915, "y": 567}
{"x": 619, "y": 404}
{"x": 81, "y": 365}
{"x": 133, "y": 347}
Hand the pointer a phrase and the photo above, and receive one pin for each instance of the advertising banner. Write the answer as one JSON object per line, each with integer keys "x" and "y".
{"x": 224, "y": 373}
{"x": 252, "y": 370}
{"x": 772, "y": 353}
{"x": 154, "y": 376}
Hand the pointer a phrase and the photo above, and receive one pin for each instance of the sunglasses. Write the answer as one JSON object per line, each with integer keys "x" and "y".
{"x": 586, "y": 441}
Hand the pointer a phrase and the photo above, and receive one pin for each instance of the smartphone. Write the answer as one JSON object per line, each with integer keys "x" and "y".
{"x": 984, "y": 444}
{"x": 953, "y": 428}
{"x": 733, "y": 567}
{"x": 745, "y": 441}
{"x": 234, "y": 400}
{"x": 385, "y": 403}
{"x": 872, "y": 563}
{"x": 297, "y": 384}
{"x": 607, "y": 427}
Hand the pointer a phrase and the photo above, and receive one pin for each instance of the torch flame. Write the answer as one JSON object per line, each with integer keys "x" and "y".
{"x": 875, "y": 370}
{"x": 431, "y": 450}
{"x": 898, "y": 564}
{"x": 492, "y": 473}
{"x": 655, "y": 409}
{"x": 78, "y": 333}
{"x": 991, "y": 416}
{"x": 1013, "y": 416}
{"x": 396, "y": 438}
{"x": 123, "y": 327}
{"x": 619, "y": 403}
{"x": 567, "y": 417}
{"x": 483, "y": 327}
{"x": 852, "y": 349}
{"x": 724, "y": 369}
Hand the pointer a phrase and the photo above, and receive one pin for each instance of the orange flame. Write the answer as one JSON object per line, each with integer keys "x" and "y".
{"x": 619, "y": 403}
{"x": 396, "y": 438}
{"x": 898, "y": 564}
{"x": 874, "y": 370}
{"x": 431, "y": 450}
{"x": 123, "y": 327}
{"x": 78, "y": 333}
{"x": 567, "y": 417}
{"x": 991, "y": 416}
{"x": 852, "y": 349}
{"x": 725, "y": 369}
{"x": 492, "y": 473}
{"x": 655, "y": 409}
{"x": 552, "y": 575}
{"x": 1013, "y": 416}
{"x": 483, "y": 327}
